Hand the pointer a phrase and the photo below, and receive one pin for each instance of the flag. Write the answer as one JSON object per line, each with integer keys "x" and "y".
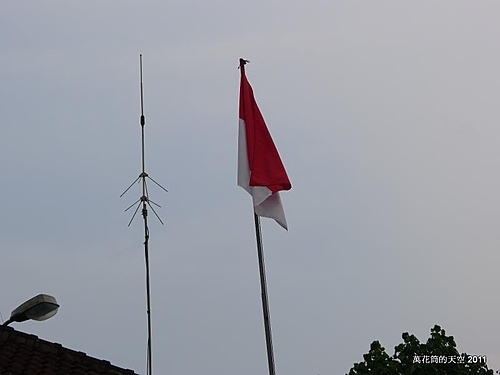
{"x": 260, "y": 169}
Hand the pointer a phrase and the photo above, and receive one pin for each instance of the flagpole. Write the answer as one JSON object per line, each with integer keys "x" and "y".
{"x": 258, "y": 156}
{"x": 265, "y": 302}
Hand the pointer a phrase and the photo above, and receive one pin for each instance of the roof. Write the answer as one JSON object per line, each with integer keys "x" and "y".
{"x": 22, "y": 353}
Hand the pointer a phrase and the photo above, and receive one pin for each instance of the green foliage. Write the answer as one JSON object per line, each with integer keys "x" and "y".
{"x": 438, "y": 356}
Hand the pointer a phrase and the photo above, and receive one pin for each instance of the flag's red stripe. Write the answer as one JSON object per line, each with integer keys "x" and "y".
{"x": 266, "y": 167}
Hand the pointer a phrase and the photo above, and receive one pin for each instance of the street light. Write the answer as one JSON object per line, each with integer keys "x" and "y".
{"x": 40, "y": 307}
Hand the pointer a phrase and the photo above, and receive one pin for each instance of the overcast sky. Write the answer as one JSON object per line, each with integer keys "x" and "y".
{"x": 386, "y": 117}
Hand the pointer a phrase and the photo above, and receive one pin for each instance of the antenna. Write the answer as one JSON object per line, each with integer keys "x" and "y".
{"x": 145, "y": 202}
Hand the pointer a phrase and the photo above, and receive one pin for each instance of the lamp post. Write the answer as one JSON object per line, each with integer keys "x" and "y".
{"x": 40, "y": 307}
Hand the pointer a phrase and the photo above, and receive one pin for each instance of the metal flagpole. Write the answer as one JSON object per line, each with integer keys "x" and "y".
{"x": 145, "y": 202}
{"x": 265, "y": 302}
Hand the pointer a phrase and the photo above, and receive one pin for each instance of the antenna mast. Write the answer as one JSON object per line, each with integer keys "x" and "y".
{"x": 144, "y": 201}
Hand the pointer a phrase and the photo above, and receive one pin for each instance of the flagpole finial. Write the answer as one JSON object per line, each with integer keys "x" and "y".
{"x": 243, "y": 62}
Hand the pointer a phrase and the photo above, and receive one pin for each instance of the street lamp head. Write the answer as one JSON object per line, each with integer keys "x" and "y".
{"x": 40, "y": 307}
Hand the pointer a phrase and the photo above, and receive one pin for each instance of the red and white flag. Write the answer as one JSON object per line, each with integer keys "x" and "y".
{"x": 260, "y": 169}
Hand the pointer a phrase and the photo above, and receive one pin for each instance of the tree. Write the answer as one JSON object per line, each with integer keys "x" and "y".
{"x": 438, "y": 356}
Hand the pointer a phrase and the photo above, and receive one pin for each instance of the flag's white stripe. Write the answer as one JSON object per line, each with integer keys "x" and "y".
{"x": 265, "y": 202}
{"x": 243, "y": 168}
{"x": 272, "y": 208}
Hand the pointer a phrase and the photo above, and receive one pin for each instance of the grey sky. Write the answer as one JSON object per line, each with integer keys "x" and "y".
{"x": 385, "y": 114}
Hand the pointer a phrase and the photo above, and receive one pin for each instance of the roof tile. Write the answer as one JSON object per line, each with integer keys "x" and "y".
{"x": 26, "y": 354}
